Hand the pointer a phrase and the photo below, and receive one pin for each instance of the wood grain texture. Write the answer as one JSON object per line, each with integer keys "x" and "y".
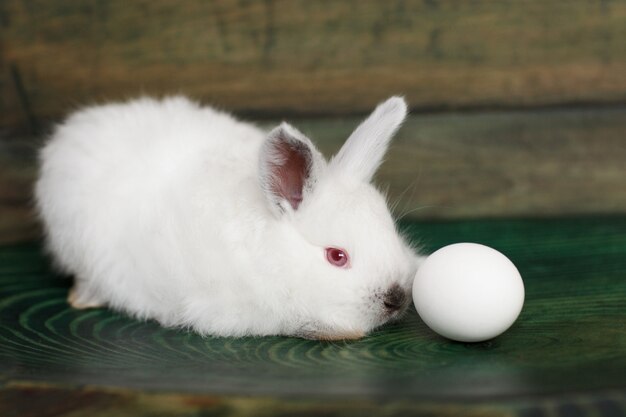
{"x": 542, "y": 163}
{"x": 300, "y": 57}
{"x": 565, "y": 355}
{"x": 37, "y": 400}
{"x": 528, "y": 163}
{"x": 17, "y": 173}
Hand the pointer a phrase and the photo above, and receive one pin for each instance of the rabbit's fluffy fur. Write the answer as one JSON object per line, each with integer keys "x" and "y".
{"x": 171, "y": 211}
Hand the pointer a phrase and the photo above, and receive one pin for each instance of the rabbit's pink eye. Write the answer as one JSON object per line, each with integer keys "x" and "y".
{"x": 337, "y": 257}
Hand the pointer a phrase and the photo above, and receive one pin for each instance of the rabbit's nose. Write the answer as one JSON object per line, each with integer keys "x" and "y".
{"x": 394, "y": 298}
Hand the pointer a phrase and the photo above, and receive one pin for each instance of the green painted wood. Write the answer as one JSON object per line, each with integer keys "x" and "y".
{"x": 302, "y": 57}
{"x": 524, "y": 163}
{"x": 566, "y": 352}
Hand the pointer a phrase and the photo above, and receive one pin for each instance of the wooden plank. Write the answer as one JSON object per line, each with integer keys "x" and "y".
{"x": 18, "y": 166}
{"x": 283, "y": 57}
{"x": 527, "y": 163}
{"x": 549, "y": 163}
{"x": 564, "y": 353}
{"x": 31, "y": 400}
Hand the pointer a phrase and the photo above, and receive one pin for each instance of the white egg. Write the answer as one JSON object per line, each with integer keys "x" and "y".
{"x": 468, "y": 292}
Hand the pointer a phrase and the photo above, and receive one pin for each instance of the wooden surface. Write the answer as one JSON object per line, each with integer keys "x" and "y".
{"x": 284, "y": 57}
{"x": 525, "y": 163}
{"x": 564, "y": 62}
{"x": 564, "y": 356}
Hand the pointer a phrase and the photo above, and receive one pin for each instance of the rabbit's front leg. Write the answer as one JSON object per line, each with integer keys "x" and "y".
{"x": 82, "y": 297}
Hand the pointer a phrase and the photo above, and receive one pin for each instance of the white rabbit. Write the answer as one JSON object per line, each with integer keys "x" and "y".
{"x": 171, "y": 211}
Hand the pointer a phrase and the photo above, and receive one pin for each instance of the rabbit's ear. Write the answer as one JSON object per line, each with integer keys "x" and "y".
{"x": 364, "y": 150}
{"x": 288, "y": 168}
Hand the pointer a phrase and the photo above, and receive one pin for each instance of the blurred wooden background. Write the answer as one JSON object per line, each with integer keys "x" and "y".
{"x": 519, "y": 107}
